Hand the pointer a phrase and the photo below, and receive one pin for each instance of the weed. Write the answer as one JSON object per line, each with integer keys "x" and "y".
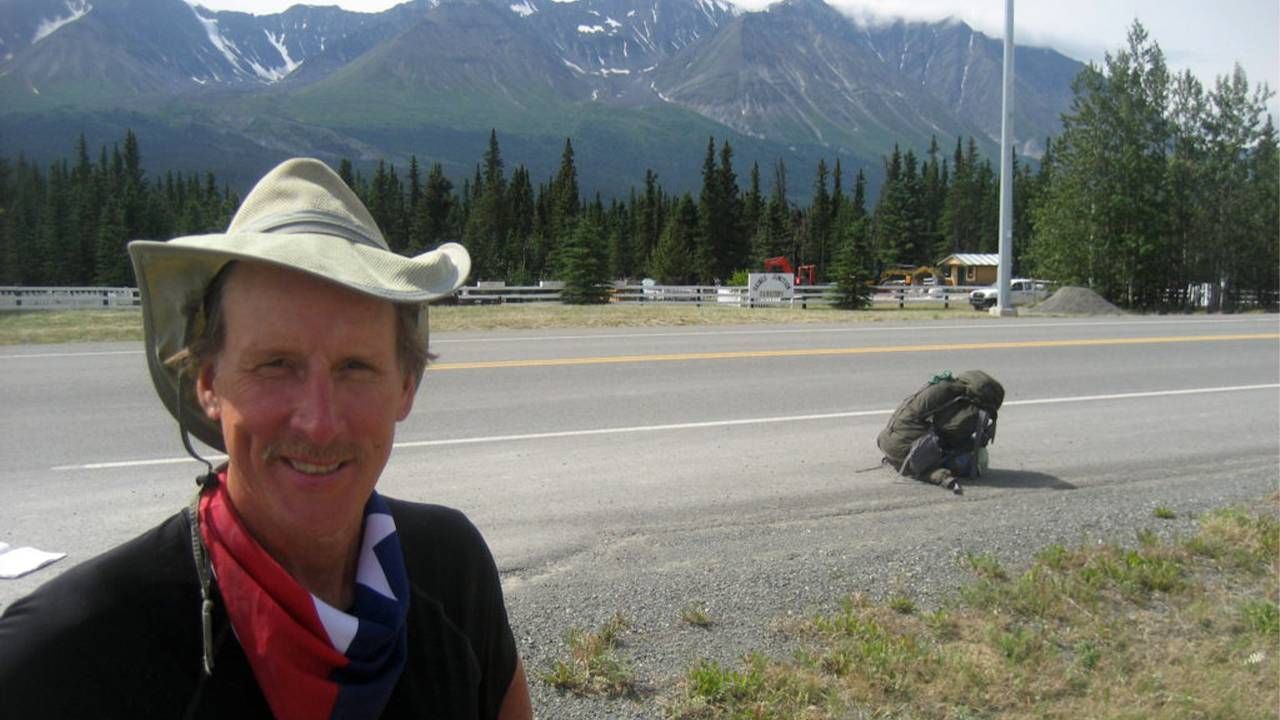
{"x": 1164, "y": 513}
{"x": 1262, "y": 617}
{"x": 1248, "y": 542}
{"x": 941, "y": 624}
{"x": 902, "y": 604}
{"x": 593, "y": 666}
{"x": 761, "y": 689}
{"x": 985, "y": 565}
{"x": 695, "y": 614}
{"x": 1053, "y": 556}
{"x": 1017, "y": 644}
{"x": 1087, "y": 655}
{"x": 1147, "y": 538}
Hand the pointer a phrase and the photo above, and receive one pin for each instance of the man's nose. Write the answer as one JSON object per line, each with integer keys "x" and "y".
{"x": 316, "y": 414}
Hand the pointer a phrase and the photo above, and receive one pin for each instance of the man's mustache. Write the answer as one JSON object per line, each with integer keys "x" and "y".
{"x": 314, "y": 454}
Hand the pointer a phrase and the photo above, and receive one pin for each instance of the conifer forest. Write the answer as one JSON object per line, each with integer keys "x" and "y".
{"x": 1155, "y": 185}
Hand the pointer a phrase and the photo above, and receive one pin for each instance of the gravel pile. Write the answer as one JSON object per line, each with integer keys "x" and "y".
{"x": 1077, "y": 301}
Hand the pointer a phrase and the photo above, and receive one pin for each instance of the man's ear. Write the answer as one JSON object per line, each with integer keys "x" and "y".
{"x": 205, "y": 394}
{"x": 406, "y": 397}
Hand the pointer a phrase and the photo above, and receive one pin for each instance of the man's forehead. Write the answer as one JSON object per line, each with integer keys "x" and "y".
{"x": 256, "y": 292}
{"x": 251, "y": 276}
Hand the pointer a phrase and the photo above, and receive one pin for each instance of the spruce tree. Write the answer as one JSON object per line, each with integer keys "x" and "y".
{"x": 582, "y": 263}
{"x": 520, "y": 252}
{"x": 672, "y": 261}
{"x": 8, "y": 253}
{"x": 486, "y": 231}
{"x": 851, "y": 267}
{"x": 775, "y": 238}
{"x": 734, "y": 245}
{"x": 891, "y": 223}
{"x": 347, "y": 173}
{"x": 430, "y": 225}
{"x": 817, "y": 246}
{"x": 112, "y": 268}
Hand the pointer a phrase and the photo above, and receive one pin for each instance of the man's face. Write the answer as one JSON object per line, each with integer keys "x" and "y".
{"x": 308, "y": 389}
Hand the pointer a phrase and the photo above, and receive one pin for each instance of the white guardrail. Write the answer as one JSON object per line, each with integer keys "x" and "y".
{"x": 803, "y": 296}
{"x": 736, "y": 295}
{"x": 67, "y": 298}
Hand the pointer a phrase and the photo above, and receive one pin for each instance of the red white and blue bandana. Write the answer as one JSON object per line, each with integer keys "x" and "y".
{"x": 310, "y": 659}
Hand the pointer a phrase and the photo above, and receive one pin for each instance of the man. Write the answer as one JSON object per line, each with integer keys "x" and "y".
{"x": 940, "y": 433}
{"x": 290, "y": 588}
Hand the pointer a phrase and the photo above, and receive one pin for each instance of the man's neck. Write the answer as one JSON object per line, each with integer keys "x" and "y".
{"x": 326, "y": 567}
{"x": 322, "y": 563}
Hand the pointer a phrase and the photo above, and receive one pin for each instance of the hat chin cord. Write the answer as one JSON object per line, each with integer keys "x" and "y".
{"x": 209, "y": 476}
{"x": 200, "y": 556}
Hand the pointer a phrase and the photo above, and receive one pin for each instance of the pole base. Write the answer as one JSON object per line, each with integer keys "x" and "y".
{"x": 998, "y": 311}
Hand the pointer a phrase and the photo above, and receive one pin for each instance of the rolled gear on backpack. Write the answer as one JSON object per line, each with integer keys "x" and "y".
{"x": 949, "y": 417}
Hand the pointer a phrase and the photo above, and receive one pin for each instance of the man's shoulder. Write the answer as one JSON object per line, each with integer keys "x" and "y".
{"x": 433, "y": 523}
{"x": 114, "y": 581}
{"x": 442, "y": 549}
{"x": 116, "y": 621}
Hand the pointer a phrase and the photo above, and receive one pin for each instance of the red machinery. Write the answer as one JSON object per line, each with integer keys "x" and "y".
{"x": 803, "y": 275}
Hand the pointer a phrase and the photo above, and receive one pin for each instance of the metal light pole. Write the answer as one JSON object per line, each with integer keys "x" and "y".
{"x": 1004, "y": 308}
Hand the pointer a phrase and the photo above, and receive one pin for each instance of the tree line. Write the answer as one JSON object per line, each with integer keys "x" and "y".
{"x": 1157, "y": 185}
{"x": 69, "y": 224}
{"x": 1154, "y": 187}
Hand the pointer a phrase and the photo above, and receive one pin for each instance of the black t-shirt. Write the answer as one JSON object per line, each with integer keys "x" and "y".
{"x": 119, "y": 636}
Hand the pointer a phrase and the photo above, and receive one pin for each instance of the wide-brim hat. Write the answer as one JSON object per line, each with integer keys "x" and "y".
{"x": 300, "y": 216}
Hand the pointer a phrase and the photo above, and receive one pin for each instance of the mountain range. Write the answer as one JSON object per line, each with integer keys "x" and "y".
{"x": 635, "y": 84}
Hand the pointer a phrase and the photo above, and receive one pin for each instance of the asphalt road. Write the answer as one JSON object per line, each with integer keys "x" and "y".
{"x": 640, "y": 470}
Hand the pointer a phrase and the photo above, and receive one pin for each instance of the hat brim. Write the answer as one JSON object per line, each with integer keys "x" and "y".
{"x": 173, "y": 276}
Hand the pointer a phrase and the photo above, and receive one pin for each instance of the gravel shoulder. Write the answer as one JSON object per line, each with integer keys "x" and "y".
{"x": 753, "y": 576}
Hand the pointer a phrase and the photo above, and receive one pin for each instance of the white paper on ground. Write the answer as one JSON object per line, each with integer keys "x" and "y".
{"x": 20, "y": 561}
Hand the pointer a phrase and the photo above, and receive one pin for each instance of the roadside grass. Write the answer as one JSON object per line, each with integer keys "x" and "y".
{"x": 67, "y": 326}
{"x": 593, "y": 666}
{"x": 516, "y": 316}
{"x": 42, "y": 327}
{"x": 1165, "y": 513}
{"x": 1170, "y": 629}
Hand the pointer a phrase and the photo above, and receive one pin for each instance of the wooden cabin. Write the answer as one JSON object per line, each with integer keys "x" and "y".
{"x": 970, "y": 268}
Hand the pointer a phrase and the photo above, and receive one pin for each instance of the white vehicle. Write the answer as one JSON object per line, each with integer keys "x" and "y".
{"x": 1022, "y": 291}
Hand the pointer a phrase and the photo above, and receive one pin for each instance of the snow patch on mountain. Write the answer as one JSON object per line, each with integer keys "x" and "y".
{"x": 76, "y": 10}
{"x": 590, "y": 29}
{"x": 524, "y": 9}
{"x": 289, "y": 63}
{"x": 220, "y": 43}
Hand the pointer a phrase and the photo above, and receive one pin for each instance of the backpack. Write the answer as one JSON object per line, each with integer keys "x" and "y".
{"x": 948, "y": 416}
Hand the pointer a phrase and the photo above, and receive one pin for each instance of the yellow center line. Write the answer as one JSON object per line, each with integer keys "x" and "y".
{"x": 814, "y": 352}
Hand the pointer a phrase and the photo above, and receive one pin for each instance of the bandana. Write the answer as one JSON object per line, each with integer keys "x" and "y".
{"x": 310, "y": 659}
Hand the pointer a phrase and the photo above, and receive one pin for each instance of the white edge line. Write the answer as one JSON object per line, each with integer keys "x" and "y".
{"x": 695, "y": 425}
{"x": 136, "y": 463}
{"x": 71, "y": 354}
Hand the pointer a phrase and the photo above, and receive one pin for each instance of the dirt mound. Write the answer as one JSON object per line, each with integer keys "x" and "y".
{"x": 1076, "y": 301}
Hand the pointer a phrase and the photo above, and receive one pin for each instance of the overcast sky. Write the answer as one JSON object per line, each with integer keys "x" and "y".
{"x": 1205, "y": 36}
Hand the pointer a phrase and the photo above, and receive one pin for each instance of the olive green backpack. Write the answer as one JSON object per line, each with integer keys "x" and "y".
{"x": 949, "y": 415}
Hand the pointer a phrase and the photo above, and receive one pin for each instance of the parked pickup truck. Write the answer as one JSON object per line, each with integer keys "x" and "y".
{"x": 1021, "y": 291}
